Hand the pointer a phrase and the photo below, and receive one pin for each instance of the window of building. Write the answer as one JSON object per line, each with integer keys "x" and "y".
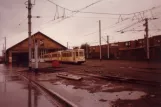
{"x": 127, "y": 43}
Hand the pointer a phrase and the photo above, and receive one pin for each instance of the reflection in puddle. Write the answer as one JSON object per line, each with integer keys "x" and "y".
{"x": 18, "y": 94}
{"x": 14, "y": 92}
{"x": 13, "y": 78}
{"x": 1, "y": 78}
{"x": 98, "y": 99}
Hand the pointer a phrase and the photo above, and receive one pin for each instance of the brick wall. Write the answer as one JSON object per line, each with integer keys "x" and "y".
{"x": 132, "y": 50}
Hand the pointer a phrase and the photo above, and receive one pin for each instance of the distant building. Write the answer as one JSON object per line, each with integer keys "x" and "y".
{"x": 19, "y": 52}
{"x": 130, "y": 50}
{"x": 1, "y": 59}
{"x": 3, "y": 55}
{"x": 95, "y": 51}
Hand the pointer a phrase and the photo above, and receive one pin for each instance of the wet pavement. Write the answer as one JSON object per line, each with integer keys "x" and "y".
{"x": 15, "y": 92}
{"x": 84, "y": 98}
{"x": 96, "y": 92}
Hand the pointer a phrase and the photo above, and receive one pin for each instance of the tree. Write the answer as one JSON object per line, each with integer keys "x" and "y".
{"x": 76, "y": 47}
{"x": 86, "y": 48}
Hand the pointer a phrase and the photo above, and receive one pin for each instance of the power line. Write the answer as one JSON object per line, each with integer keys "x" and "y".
{"x": 113, "y": 25}
{"x": 109, "y": 27}
{"x": 93, "y": 17}
{"x": 78, "y": 11}
{"x": 59, "y": 5}
{"x": 144, "y": 11}
{"x": 73, "y": 12}
{"x": 88, "y": 6}
{"x": 135, "y": 15}
{"x": 123, "y": 30}
{"x": 130, "y": 26}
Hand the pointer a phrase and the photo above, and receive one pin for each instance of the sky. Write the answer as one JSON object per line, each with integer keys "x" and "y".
{"x": 82, "y": 27}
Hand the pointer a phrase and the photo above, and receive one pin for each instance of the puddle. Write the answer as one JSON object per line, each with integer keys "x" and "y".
{"x": 1, "y": 78}
{"x": 19, "y": 94}
{"x": 13, "y": 78}
{"x": 99, "y": 99}
{"x": 111, "y": 87}
{"x": 15, "y": 92}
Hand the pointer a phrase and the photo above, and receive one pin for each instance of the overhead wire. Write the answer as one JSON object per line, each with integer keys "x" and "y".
{"x": 109, "y": 27}
{"x": 130, "y": 26}
{"x": 93, "y": 17}
{"x": 73, "y": 12}
{"x": 147, "y": 10}
{"x": 124, "y": 20}
{"x": 59, "y": 5}
{"x": 80, "y": 11}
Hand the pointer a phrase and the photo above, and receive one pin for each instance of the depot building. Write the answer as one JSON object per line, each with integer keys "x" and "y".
{"x": 19, "y": 52}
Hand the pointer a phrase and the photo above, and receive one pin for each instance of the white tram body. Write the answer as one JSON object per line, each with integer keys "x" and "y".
{"x": 72, "y": 56}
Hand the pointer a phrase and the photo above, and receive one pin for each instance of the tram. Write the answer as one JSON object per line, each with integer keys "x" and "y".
{"x": 72, "y": 56}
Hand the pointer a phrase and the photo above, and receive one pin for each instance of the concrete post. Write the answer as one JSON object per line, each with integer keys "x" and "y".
{"x": 36, "y": 55}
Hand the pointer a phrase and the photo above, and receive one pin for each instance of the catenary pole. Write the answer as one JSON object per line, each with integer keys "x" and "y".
{"x": 100, "y": 39}
{"x": 108, "y": 50}
{"x": 29, "y": 31}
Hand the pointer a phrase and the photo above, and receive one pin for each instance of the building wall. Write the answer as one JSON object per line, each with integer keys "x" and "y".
{"x": 130, "y": 50}
{"x": 95, "y": 51}
{"x": 45, "y": 45}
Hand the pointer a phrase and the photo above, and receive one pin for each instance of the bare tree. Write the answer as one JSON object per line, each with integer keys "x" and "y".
{"x": 86, "y": 48}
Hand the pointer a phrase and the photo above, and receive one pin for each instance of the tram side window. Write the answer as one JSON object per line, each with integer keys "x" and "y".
{"x": 58, "y": 55}
{"x": 76, "y": 53}
{"x": 50, "y": 55}
{"x": 46, "y": 56}
{"x": 64, "y": 54}
{"x": 54, "y": 55}
{"x": 80, "y": 53}
{"x": 69, "y": 54}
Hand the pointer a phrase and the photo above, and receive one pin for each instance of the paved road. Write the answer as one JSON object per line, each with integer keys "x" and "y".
{"x": 15, "y": 92}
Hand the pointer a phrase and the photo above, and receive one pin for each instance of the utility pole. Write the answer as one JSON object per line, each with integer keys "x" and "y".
{"x": 29, "y": 30}
{"x": 67, "y": 45}
{"x": 146, "y": 38}
{"x": 36, "y": 55}
{"x": 108, "y": 53}
{"x": 100, "y": 39}
{"x": 86, "y": 51}
{"x": 5, "y": 51}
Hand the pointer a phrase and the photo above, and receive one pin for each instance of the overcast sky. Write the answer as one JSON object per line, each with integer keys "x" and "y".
{"x": 75, "y": 30}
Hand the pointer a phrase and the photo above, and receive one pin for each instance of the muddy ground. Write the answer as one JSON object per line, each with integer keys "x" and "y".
{"x": 137, "y": 70}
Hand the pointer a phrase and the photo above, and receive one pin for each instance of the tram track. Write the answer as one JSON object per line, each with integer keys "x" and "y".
{"x": 52, "y": 96}
{"x": 123, "y": 79}
{"x": 62, "y": 102}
